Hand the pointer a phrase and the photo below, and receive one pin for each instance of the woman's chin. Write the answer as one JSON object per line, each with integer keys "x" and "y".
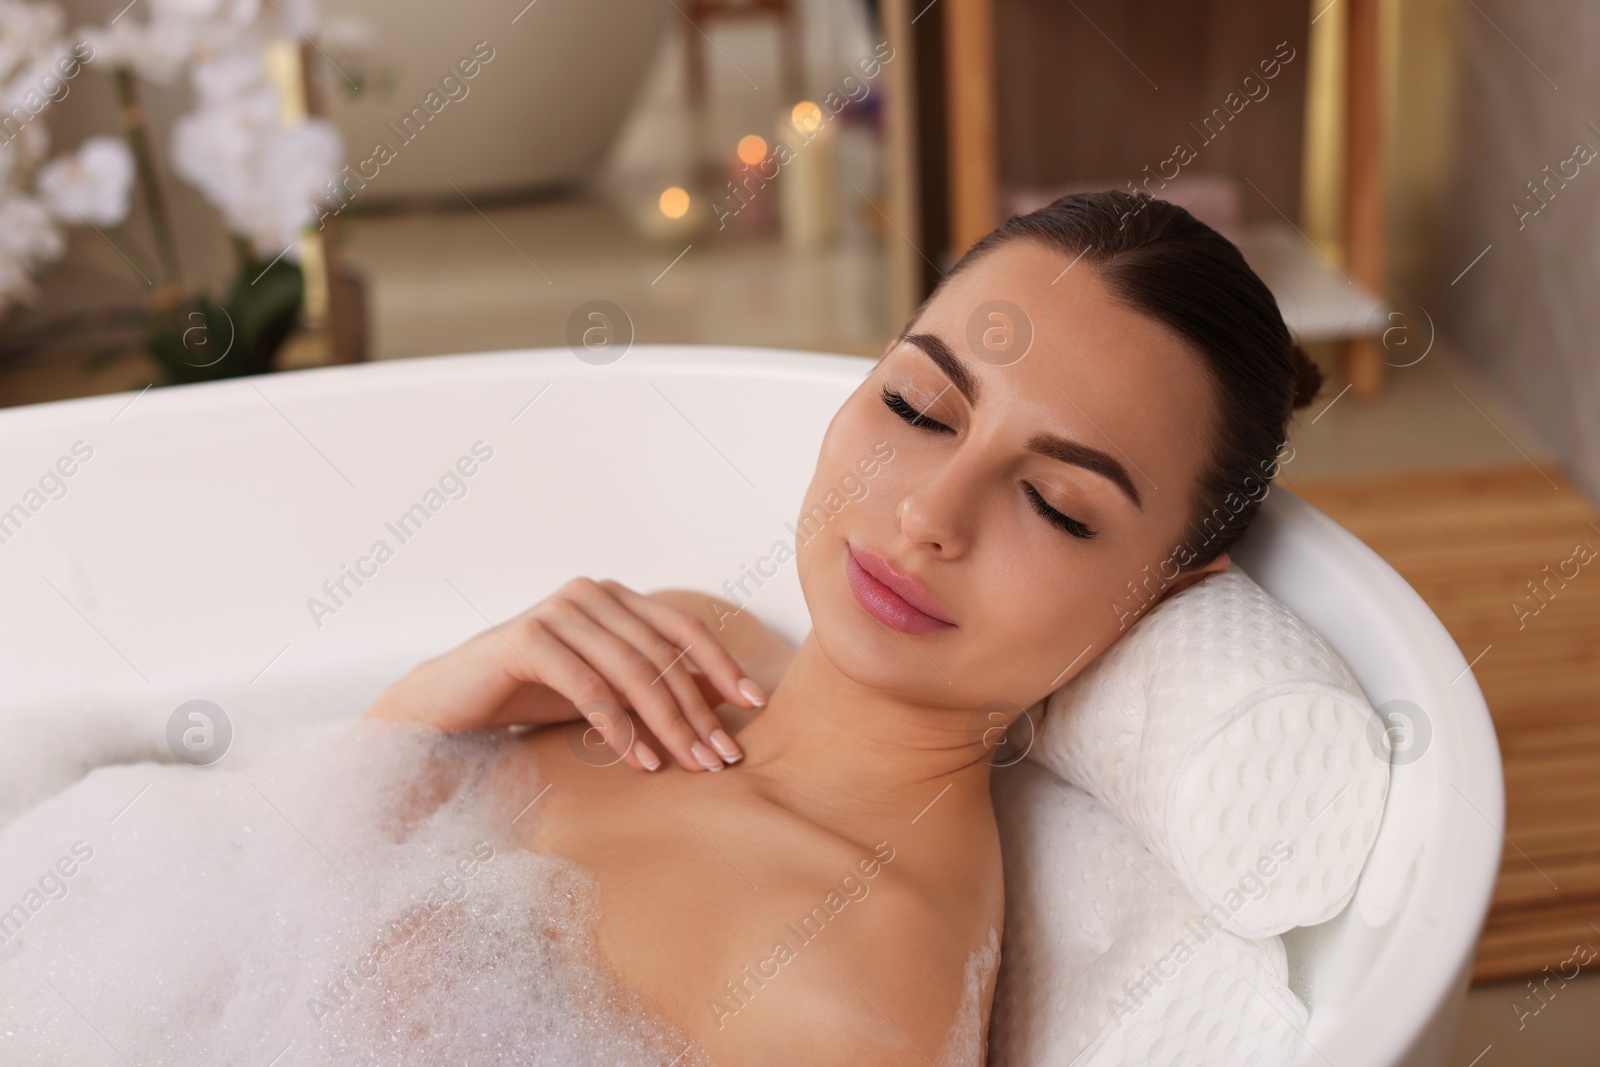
{"x": 873, "y": 654}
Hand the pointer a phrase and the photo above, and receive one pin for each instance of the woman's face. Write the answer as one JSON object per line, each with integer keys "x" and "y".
{"x": 984, "y": 551}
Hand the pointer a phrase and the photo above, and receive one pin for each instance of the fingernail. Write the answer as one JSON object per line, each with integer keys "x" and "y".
{"x": 752, "y": 692}
{"x": 650, "y": 760}
{"x": 724, "y": 744}
{"x": 708, "y": 759}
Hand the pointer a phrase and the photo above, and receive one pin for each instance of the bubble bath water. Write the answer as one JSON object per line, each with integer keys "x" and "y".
{"x": 348, "y": 897}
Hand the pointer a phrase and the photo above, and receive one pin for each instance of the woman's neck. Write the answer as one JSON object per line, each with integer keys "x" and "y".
{"x": 845, "y": 754}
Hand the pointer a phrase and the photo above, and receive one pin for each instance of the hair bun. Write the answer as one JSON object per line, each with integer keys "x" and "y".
{"x": 1307, "y": 375}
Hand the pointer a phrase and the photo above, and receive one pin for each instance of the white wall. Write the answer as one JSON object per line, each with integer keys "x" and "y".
{"x": 1526, "y": 314}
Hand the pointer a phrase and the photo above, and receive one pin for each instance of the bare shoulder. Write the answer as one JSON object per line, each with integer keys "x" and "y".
{"x": 903, "y": 981}
{"x": 757, "y": 647}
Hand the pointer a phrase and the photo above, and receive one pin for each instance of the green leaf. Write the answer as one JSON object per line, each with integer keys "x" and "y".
{"x": 201, "y": 340}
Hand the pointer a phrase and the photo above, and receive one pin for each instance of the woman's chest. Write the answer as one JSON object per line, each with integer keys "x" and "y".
{"x": 712, "y": 899}
{"x": 693, "y": 878}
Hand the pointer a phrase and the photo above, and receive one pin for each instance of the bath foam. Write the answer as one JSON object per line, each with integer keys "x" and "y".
{"x": 965, "y": 1045}
{"x": 348, "y": 897}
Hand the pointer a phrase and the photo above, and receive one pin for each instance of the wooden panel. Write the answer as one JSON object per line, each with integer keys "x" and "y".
{"x": 1470, "y": 541}
{"x": 1364, "y": 180}
{"x": 970, "y": 88}
{"x": 1099, "y": 89}
{"x": 933, "y": 139}
{"x": 904, "y": 242}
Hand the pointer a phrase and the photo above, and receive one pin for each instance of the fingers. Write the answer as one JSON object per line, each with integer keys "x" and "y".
{"x": 617, "y": 733}
{"x": 675, "y": 712}
{"x": 673, "y": 672}
{"x": 571, "y": 674}
{"x": 691, "y": 632}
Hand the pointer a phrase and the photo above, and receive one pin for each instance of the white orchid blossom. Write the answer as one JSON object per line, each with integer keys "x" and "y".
{"x": 90, "y": 185}
{"x": 29, "y": 237}
{"x": 30, "y": 47}
{"x": 266, "y": 179}
{"x": 263, "y": 177}
{"x": 156, "y": 52}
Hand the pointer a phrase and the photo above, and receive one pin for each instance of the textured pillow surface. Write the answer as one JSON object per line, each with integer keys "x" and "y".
{"x": 1224, "y": 732}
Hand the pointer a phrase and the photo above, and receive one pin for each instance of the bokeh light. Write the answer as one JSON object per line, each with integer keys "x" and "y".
{"x": 674, "y": 202}
{"x": 752, "y": 149}
{"x": 806, "y": 116}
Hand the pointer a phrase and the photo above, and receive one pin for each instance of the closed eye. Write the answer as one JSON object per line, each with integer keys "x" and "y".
{"x": 897, "y": 404}
{"x": 1054, "y": 517}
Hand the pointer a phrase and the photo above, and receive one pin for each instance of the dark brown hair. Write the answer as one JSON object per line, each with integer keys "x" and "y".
{"x": 1167, "y": 264}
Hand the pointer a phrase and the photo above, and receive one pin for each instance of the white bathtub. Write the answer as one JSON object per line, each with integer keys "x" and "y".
{"x": 180, "y": 560}
{"x": 559, "y": 82}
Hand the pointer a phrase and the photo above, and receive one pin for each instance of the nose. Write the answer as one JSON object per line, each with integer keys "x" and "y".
{"x": 938, "y": 510}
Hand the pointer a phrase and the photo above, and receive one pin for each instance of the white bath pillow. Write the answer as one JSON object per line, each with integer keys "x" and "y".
{"x": 1106, "y": 957}
{"x": 1234, "y": 743}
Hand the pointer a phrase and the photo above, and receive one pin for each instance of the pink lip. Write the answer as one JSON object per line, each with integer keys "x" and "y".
{"x": 894, "y": 599}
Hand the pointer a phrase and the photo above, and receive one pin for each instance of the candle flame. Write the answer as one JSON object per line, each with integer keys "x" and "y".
{"x": 752, "y": 149}
{"x": 806, "y": 116}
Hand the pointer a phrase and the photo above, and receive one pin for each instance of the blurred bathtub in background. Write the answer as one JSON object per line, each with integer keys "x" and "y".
{"x": 541, "y": 112}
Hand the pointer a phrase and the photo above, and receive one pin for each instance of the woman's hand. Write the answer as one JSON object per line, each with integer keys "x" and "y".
{"x": 590, "y": 650}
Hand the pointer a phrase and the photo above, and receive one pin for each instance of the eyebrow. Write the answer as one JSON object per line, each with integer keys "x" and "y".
{"x": 953, "y": 368}
{"x": 1049, "y": 445}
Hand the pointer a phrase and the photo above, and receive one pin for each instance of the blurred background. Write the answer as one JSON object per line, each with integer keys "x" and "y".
{"x": 192, "y": 189}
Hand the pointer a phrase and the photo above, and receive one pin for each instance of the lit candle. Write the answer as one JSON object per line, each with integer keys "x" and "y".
{"x": 673, "y": 215}
{"x": 808, "y": 182}
{"x": 748, "y": 202}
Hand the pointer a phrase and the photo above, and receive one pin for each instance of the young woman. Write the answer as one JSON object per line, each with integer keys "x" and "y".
{"x": 833, "y": 892}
